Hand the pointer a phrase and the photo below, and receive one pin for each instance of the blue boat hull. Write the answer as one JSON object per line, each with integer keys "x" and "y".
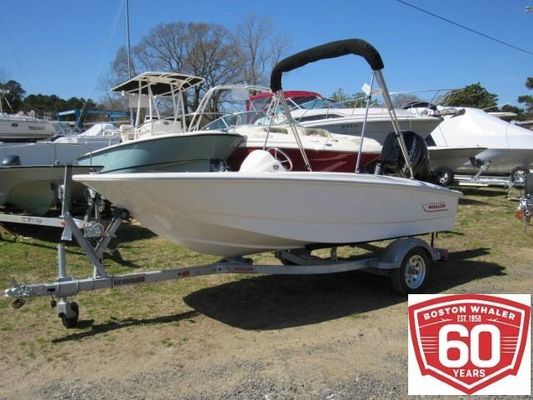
{"x": 171, "y": 153}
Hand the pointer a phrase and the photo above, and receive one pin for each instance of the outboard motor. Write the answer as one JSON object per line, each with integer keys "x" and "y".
{"x": 391, "y": 161}
{"x": 11, "y": 160}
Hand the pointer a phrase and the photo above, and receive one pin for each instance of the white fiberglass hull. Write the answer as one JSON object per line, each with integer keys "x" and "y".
{"x": 501, "y": 161}
{"x": 20, "y": 128}
{"x": 53, "y": 153}
{"x": 34, "y": 188}
{"x": 452, "y": 157}
{"x": 378, "y": 124}
{"x": 507, "y": 145}
{"x": 237, "y": 213}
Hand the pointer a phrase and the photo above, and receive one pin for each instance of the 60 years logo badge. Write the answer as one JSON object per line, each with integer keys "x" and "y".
{"x": 469, "y": 343}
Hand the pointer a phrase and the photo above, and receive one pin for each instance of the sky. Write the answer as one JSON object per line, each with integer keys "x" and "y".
{"x": 61, "y": 47}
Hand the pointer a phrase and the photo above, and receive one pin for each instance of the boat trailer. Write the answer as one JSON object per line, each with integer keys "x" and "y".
{"x": 406, "y": 260}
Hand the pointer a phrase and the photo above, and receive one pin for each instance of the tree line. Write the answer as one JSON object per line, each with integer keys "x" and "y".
{"x": 15, "y": 100}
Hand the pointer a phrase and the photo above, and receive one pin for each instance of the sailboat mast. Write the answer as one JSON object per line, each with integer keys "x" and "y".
{"x": 126, "y": 5}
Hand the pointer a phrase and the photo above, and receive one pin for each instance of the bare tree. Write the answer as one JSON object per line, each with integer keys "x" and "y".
{"x": 164, "y": 48}
{"x": 211, "y": 54}
{"x": 206, "y": 50}
{"x": 4, "y": 75}
{"x": 259, "y": 50}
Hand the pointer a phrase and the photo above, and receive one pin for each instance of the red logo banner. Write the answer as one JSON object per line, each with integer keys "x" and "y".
{"x": 469, "y": 341}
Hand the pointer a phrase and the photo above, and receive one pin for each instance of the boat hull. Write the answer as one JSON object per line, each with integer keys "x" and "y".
{"x": 180, "y": 152}
{"x": 452, "y": 157}
{"x": 34, "y": 188}
{"x": 20, "y": 129}
{"x": 50, "y": 153}
{"x": 236, "y": 213}
{"x": 501, "y": 161}
{"x": 376, "y": 128}
{"x": 507, "y": 145}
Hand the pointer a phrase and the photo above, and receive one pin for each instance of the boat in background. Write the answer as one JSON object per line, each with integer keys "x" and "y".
{"x": 264, "y": 207}
{"x": 159, "y": 142}
{"x": 506, "y": 148}
{"x": 444, "y": 160}
{"x": 34, "y": 188}
{"x": 311, "y": 109}
{"x": 22, "y": 127}
{"x": 61, "y": 151}
{"x": 325, "y": 151}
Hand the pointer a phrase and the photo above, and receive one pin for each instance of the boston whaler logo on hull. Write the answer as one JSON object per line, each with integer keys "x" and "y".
{"x": 433, "y": 207}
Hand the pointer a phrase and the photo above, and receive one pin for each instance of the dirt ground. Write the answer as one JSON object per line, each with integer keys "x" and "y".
{"x": 341, "y": 336}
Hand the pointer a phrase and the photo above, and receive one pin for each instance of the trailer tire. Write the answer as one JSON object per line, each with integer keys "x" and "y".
{"x": 518, "y": 174}
{"x": 443, "y": 176}
{"x": 72, "y": 321}
{"x": 414, "y": 272}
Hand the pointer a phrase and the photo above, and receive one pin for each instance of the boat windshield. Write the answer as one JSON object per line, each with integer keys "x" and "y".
{"x": 229, "y": 121}
{"x": 317, "y": 103}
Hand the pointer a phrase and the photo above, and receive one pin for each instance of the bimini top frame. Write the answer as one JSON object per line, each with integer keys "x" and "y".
{"x": 335, "y": 49}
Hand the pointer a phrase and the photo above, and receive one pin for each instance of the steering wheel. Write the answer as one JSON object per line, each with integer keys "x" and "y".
{"x": 284, "y": 160}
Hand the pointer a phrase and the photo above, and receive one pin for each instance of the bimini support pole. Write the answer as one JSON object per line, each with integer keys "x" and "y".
{"x": 363, "y": 130}
{"x": 292, "y": 124}
{"x": 394, "y": 119}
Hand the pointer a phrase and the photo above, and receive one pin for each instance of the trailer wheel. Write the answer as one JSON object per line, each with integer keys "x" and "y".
{"x": 518, "y": 174}
{"x": 414, "y": 273}
{"x": 443, "y": 176}
{"x": 73, "y": 320}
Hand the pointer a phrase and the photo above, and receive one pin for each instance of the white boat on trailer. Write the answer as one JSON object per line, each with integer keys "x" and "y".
{"x": 263, "y": 207}
{"x": 238, "y": 213}
{"x": 507, "y": 149}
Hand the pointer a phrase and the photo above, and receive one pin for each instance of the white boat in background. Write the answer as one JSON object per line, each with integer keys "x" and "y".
{"x": 310, "y": 109}
{"x": 22, "y": 127}
{"x": 445, "y": 160}
{"x": 30, "y": 173}
{"x": 64, "y": 150}
{"x": 264, "y": 207}
{"x": 507, "y": 147}
{"x": 325, "y": 151}
{"x": 35, "y": 188}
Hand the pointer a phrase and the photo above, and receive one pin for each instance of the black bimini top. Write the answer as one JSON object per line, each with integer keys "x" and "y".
{"x": 160, "y": 83}
{"x": 329, "y": 50}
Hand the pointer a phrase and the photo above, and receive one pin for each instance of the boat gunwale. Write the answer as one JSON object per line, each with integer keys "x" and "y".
{"x": 282, "y": 177}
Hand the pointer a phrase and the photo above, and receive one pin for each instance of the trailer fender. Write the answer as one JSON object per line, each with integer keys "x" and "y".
{"x": 394, "y": 254}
